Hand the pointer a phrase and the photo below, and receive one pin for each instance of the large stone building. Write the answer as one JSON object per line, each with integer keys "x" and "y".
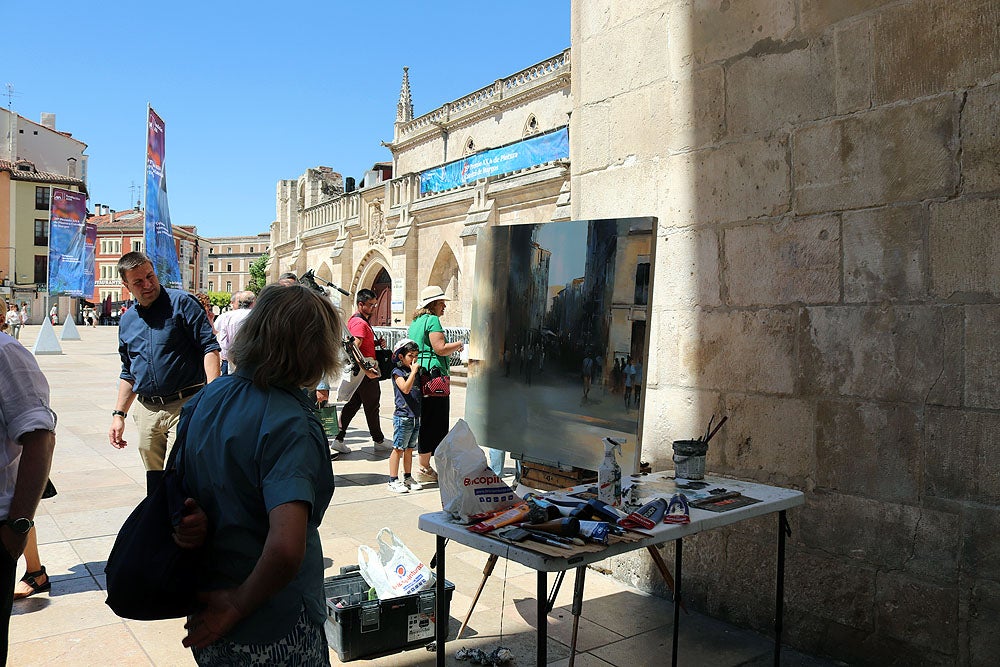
{"x": 388, "y": 235}
{"x": 825, "y": 178}
{"x": 827, "y": 274}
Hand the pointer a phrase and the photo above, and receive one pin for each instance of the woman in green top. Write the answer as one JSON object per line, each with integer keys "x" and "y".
{"x": 427, "y": 332}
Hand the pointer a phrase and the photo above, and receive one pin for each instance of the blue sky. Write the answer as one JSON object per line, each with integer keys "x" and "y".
{"x": 252, "y": 92}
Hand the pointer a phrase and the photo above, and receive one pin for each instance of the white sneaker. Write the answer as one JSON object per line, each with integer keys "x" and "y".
{"x": 383, "y": 446}
{"x": 412, "y": 484}
{"x": 338, "y": 446}
{"x": 397, "y": 486}
{"x": 426, "y": 475}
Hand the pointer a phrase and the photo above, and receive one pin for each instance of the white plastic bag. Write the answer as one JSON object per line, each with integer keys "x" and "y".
{"x": 393, "y": 570}
{"x": 468, "y": 486}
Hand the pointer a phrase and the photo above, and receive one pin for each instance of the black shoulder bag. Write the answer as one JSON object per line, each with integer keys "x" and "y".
{"x": 149, "y": 577}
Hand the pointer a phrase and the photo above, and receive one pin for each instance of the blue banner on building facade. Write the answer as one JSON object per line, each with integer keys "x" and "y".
{"x": 67, "y": 242}
{"x": 159, "y": 235}
{"x": 497, "y": 161}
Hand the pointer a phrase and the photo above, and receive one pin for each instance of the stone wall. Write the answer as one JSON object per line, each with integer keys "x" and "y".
{"x": 827, "y": 181}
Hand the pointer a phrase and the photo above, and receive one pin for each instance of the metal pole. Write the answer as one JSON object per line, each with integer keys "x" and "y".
{"x": 440, "y": 603}
{"x": 678, "y": 556}
{"x": 779, "y": 603}
{"x": 541, "y": 651}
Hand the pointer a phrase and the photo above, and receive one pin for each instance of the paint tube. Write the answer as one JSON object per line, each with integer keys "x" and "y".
{"x": 647, "y": 516}
{"x": 595, "y": 531}
{"x": 515, "y": 514}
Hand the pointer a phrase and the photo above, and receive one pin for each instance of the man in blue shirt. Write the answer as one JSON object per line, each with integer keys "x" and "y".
{"x": 168, "y": 353}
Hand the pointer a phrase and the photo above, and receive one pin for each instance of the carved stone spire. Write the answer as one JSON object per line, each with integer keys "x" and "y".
{"x": 404, "y": 109}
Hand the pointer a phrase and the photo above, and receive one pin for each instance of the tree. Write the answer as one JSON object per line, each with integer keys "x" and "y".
{"x": 258, "y": 273}
{"x": 219, "y": 299}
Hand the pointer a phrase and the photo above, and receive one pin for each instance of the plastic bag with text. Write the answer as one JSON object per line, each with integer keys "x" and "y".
{"x": 393, "y": 570}
{"x": 468, "y": 486}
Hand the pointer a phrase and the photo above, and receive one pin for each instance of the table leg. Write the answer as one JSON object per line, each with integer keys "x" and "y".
{"x": 440, "y": 602}
{"x": 577, "y": 610}
{"x": 541, "y": 651}
{"x": 678, "y": 553}
{"x": 779, "y": 603}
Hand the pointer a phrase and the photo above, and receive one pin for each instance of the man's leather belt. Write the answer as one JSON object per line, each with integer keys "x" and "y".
{"x": 170, "y": 398}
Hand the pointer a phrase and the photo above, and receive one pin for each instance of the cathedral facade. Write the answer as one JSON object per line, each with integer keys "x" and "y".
{"x": 413, "y": 222}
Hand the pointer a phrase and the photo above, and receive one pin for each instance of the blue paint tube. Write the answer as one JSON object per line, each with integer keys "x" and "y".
{"x": 595, "y": 531}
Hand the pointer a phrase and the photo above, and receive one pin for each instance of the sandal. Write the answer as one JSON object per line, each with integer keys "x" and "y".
{"x": 31, "y": 578}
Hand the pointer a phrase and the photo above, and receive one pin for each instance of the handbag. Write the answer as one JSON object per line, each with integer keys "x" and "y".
{"x": 385, "y": 365}
{"x": 149, "y": 577}
{"x": 431, "y": 385}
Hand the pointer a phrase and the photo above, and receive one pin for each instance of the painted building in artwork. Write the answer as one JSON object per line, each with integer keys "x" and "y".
{"x": 395, "y": 236}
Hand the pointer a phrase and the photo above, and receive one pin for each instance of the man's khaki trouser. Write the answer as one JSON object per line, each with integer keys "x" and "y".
{"x": 157, "y": 426}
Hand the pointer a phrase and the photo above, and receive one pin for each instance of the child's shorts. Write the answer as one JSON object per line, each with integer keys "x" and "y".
{"x": 404, "y": 432}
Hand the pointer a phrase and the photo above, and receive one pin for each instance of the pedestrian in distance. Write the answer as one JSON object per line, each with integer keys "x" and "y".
{"x": 255, "y": 458}
{"x": 27, "y": 440}
{"x": 367, "y": 394}
{"x": 406, "y": 418}
{"x": 168, "y": 353}
{"x": 229, "y": 322}
{"x": 13, "y": 320}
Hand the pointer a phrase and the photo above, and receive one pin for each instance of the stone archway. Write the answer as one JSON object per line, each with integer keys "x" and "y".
{"x": 373, "y": 273}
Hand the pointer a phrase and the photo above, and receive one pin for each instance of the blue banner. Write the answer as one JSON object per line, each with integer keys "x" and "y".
{"x": 67, "y": 242}
{"x": 497, "y": 161}
{"x": 159, "y": 235}
{"x": 89, "y": 259}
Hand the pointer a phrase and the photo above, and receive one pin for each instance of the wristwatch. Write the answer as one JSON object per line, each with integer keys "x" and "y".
{"x": 20, "y": 526}
{"x": 119, "y": 413}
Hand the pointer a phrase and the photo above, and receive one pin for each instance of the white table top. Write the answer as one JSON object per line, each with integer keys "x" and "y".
{"x": 772, "y": 499}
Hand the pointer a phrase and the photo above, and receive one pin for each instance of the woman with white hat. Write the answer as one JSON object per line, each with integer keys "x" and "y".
{"x": 426, "y": 331}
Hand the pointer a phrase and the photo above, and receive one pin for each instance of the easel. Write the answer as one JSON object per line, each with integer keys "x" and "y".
{"x": 577, "y": 606}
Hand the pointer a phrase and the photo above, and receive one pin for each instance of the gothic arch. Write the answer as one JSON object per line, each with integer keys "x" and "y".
{"x": 531, "y": 126}
{"x": 445, "y": 272}
{"x": 325, "y": 271}
{"x": 368, "y": 269}
{"x": 469, "y": 147}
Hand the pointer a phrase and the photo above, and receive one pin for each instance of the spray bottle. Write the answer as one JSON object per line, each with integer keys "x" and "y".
{"x": 609, "y": 475}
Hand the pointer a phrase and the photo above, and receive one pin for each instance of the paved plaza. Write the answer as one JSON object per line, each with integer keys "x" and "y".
{"x": 98, "y": 487}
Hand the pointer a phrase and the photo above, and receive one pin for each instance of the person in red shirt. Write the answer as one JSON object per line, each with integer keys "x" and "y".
{"x": 368, "y": 393}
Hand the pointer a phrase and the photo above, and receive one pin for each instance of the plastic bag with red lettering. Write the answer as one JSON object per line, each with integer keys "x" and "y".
{"x": 467, "y": 484}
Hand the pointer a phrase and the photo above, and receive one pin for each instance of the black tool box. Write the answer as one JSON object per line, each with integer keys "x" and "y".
{"x": 358, "y": 627}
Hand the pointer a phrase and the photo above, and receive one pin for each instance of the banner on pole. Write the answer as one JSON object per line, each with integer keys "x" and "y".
{"x": 159, "y": 235}
{"x": 67, "y": 242}
{"x": 497, "y": 161}
{"x": 89, "y": 259}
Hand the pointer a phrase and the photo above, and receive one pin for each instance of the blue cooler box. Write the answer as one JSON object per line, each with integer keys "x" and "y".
{"x": 357, "y": 627}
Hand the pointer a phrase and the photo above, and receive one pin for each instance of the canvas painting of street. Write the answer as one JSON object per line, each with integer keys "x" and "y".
{"x": 559, "y": 339}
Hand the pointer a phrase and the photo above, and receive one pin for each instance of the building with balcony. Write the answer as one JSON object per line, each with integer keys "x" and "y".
{"x": 403, "y": 228}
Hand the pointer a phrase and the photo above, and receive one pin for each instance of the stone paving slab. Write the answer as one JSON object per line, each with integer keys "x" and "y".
{"x": 99, "y": 486}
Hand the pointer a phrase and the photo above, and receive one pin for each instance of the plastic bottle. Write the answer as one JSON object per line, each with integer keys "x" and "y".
{"x": 609, "y": 475}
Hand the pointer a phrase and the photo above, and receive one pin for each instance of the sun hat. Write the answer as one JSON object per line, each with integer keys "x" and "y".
{"x": 399, "y": 344}
{"x": 430, "y": 294}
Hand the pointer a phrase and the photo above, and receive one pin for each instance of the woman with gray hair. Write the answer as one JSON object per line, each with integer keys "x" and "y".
{"x": 256, "y": 460}
{"x": 426, "y": 331}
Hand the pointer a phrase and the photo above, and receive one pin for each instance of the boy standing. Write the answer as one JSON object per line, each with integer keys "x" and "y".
{"x": 406, "y": 418}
